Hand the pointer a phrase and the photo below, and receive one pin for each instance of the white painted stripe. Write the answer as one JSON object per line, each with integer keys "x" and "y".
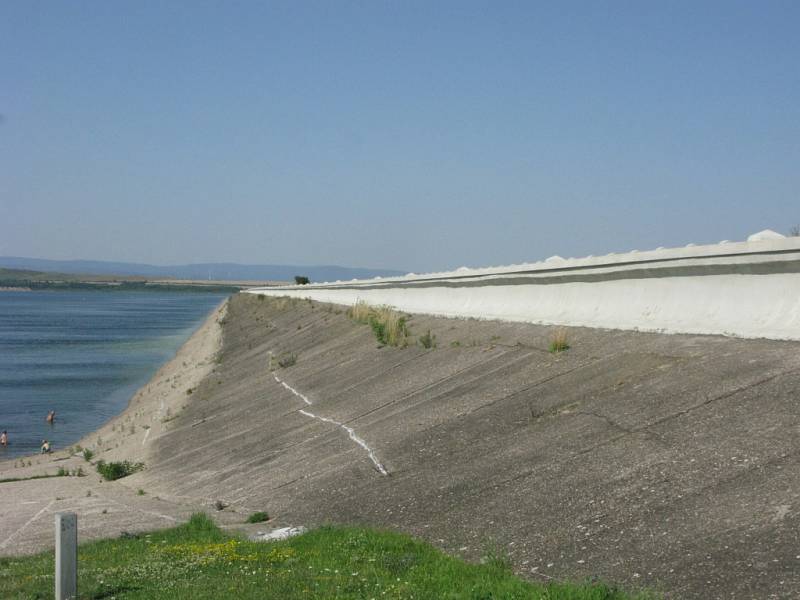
{"x": 350, "y": 432}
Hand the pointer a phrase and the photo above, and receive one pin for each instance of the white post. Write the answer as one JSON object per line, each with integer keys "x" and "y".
{"x": 66, "y": 556}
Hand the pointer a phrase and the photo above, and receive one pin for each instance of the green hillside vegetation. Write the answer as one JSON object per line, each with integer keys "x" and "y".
{"x": 48, "y": 276}
{"x": 198, "y": 561}
{"x": 39, "y": 280}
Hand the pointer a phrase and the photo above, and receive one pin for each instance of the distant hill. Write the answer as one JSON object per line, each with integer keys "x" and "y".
{"x": 215, "y": 271}
{"x": 51, "y": 276}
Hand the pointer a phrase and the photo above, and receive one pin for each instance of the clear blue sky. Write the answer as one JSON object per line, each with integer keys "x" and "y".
{"x": 413, "y": 135}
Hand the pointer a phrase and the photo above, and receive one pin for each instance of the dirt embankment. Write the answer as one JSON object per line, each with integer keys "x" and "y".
{"x": 669, "y": 462}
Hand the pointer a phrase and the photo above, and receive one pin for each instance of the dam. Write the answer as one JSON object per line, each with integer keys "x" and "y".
{"x": 747, "y": 289}
{"x": 664, "y": 462}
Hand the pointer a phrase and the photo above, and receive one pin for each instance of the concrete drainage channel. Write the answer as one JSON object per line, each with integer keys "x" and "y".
{"x": 350, "y": 432}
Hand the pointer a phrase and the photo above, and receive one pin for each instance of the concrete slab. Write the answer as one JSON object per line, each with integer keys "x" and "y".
{"x": 663, "y": 461}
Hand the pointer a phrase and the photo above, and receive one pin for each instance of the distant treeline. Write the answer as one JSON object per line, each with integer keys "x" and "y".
{"x": 123, "y": 286}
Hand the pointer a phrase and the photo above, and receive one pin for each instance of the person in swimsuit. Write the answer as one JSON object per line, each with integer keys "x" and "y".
{"x": 4, "y": 439}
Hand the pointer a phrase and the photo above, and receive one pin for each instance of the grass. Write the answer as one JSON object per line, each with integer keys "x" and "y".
{"x": 87, "y": 454}
{"x": 427, "y": 340}
{"x": 388, "y": 325}
{"x": 360, "y": 312}
{"x": 258, "y": 517}
{"x": 62, "y": 472}
{"x": 117, "y": 470}
{"x": 558, "y": 340}
{"x": 45, "y": 476}
{"x": 284, "y": 360}
{"x": 198, "y": 561}
{"x": 287, "y": 359}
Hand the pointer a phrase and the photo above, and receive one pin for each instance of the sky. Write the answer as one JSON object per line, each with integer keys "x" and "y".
{"x": 404, "y": 135}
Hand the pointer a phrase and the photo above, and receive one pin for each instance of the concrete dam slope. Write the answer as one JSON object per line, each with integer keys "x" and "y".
{"x": 747, "y": 289}
{"x": 668, "y": 462}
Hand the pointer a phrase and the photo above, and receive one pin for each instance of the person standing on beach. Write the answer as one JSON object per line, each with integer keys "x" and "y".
{"x": 4, "y": 439}
{"x": 45, "y": 447}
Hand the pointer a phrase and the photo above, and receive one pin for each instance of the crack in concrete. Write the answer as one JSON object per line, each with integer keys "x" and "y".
{"x": 535, "y": 384}
{"x": 28, "y": 522}
{"x": 219, "y": 442}
{"x": 438, "y": 382}
{"x": 611, "y": 422}
{"x": 350, "y": 432}
{"x": 137, "y": 509}
{"x": 380, "y": 374}
{"x": 645, "y": 429}
{"x": 710, "y": 399}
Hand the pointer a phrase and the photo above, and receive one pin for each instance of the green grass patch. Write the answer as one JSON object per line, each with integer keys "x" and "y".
{"x": 258, "y": 517}
{"x": 117, "y": 470}
{"x": 427, "y": 340}
{"x": 198, "y": 561}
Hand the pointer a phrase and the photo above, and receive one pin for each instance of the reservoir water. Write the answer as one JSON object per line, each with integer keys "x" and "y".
{"x": 84, "y": 354}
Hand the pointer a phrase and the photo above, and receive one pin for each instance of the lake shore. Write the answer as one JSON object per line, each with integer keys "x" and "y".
{"x": 107, "y": 508}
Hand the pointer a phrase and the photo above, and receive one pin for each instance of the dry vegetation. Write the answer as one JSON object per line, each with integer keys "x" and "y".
{"x": 388, "y": 325}
{"x": 559, "y": 341}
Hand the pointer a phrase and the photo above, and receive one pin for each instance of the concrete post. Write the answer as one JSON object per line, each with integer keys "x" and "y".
{"x": 66, "y": 556}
